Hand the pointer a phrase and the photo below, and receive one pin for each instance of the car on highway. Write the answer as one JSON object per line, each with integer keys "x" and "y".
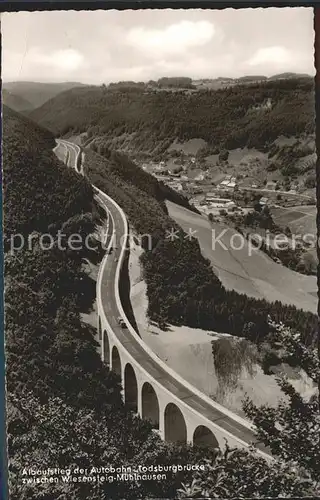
{"x": 121, "y": 322}
{"x": 110, "y": 251}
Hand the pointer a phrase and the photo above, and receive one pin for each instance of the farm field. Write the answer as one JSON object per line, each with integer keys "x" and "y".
{"x": 255, "y": 275}
{"x": 300, "y": 219}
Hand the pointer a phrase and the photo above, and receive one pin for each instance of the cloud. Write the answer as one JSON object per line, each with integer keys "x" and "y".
{"x": 35, "y": 63}
{"x": 174, "y": 39}
{"x": 67, "y": 59}
{"x": 271, "y": 55}
{"x": 102, "y": 46}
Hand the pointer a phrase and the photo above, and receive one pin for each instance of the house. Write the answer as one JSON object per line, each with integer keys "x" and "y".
{"x": 194, "y": 189}
{"x": 196, "y": 175}
{"x": 175, "y": 170}
{"x": 271, "y": 185}
{"x": 177, "y": 186}
{"x": 263, "y": 201}
{"x": 199, "y": 177}
{"x": 228, "y": 184}
{"x": 217, "y": 202}
{"x": 210, "y": 196}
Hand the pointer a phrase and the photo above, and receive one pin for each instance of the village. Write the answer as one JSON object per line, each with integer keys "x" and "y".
{"x": 222, "y": 193}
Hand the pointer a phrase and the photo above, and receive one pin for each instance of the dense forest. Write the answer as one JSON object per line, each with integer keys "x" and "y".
{"x": 227, "y": 118}
{"x": 26, "y": 214}
{"x": 64, "y": 406}
{"x": 181, "y": 285}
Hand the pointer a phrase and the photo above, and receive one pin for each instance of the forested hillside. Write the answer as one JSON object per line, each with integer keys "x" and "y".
{"x": 30, "y": 204}
{"x": 243, "y": 115}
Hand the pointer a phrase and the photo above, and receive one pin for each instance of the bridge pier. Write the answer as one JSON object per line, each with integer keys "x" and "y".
{"x": 161, "y": 423}
{"x": 139, "y": 396}
{"x": 189, "y": 433}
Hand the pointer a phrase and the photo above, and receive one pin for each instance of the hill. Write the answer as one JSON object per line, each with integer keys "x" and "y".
{"x": 29, "y": 168}
{"x": 15, "y": 101}
{"x": 37, "y": 93}
{"x": 289, "y": 75}
{"x": 151, "y": 121}
{"x": 251, "y": 78}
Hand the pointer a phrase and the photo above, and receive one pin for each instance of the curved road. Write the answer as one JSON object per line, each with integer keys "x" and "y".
{"x": 73, "y": 151}
{"x": 131, "y": 344}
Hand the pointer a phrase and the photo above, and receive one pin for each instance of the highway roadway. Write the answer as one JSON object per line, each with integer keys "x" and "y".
{"x": 72, "y": 149}
{"x": 134, "y": 347}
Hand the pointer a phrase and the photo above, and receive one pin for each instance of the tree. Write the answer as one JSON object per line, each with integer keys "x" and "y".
{"x": 242, "y": 474}
{"x": 257, "y": 207}
{"x": 223, "y": 155}
{"x": 292, "y": 429}
{"x": 310, "y": 181}
{"x": 309, "y": 262}
{"x": 56, "y": 434}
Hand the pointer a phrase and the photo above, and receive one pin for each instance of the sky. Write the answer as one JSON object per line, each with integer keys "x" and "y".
{"x": 108, "y": 46}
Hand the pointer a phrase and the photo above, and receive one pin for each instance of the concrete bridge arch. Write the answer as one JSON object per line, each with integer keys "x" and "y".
{"x": 150, "y": 404}
{"x": 106, "y": 348}
{"x": 175, "y": 428}
{"x": 116, "y": 365}
{"x": 205, "y": 438}
{"x": 99, "y": 329}
{"x": 130, "y": 388}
